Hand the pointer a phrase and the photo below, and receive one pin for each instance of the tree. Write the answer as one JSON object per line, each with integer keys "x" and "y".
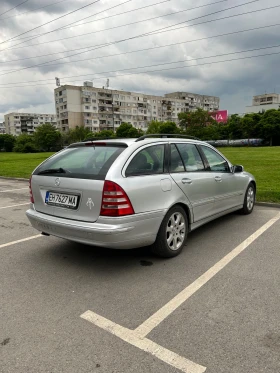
{"x": 79, "y": 134}
{"x": 135, "y": 133}
{"x": 247, "y": 125}
{"x": 235, "y": 127}
{"x": 167, "y": 127}
{"x": 25, "y": 144}
{"x": 154, "y": 127}
{"x": 103, "y": 134}
{"x": 2, "y": 138}
{"x": 270, "y": 126}
{"x": 195, "y": 119}
{"x": 7, "y": 142}
{"x": 126, "y": 130}
{"x": 47, "y": 138}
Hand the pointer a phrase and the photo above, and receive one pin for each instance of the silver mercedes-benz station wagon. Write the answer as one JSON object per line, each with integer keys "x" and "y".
{"x": 128, "y": 193}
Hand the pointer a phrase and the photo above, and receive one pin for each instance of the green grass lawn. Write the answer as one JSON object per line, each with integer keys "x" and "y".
{"x": 20, "y": 165}
{"x": 263, "y": 163}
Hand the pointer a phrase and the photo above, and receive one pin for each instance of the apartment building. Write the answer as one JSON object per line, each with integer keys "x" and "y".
{"x": 194, "y": 101}
{"x": 18, "y": 123}
{"x": 2, "y": 128}
{"x": 101, "y": 108}
{"x": 264, "y": 102}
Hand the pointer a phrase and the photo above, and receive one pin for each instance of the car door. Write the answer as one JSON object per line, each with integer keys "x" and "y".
{"x": 188, "y": 170}
{"x": 229, "y": 188}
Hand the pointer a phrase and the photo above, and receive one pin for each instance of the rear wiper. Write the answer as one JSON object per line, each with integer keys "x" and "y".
{"x": 53, "y": 171}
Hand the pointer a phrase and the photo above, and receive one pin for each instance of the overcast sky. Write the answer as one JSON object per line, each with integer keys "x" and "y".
{"x": 235, "y": 82}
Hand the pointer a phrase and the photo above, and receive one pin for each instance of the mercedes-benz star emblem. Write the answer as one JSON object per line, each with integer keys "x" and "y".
{"x": 57, "y": 181}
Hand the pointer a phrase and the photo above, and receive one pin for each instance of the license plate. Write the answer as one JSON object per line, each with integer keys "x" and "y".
{"x": 68, "y": 201}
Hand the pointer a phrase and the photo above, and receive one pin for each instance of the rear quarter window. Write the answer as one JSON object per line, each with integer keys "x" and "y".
{"x": 148, "y": 161}
{"x": 86, "y": 162}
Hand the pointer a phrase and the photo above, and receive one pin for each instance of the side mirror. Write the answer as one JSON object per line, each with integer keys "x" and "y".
{"x": 237, "y": 169}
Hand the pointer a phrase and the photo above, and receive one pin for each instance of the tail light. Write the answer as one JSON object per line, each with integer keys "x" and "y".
{"x": 115, "y": 201}
{"x": 30, "y": 191}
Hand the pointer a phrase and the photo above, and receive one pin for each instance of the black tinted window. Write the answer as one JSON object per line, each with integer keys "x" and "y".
{"x": 148, "y": 161}
{"x": 87, "y": 162}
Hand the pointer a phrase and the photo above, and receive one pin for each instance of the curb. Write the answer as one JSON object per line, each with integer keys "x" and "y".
{"x": 13, "y": 178}
{"x": 268, "y": 204}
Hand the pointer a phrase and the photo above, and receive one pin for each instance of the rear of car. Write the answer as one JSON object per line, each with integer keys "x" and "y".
{"x": 72, "y": 198}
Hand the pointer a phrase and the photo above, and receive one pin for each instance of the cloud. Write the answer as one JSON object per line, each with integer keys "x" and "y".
{"x": 234, "y": 81}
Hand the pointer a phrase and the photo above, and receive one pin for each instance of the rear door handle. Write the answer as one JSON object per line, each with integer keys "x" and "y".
{"x": 218, "y": 178}
{"x": 186, "y": 181}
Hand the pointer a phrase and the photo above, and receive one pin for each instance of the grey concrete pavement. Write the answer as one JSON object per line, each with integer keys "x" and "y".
{"x": 230, "y": 325}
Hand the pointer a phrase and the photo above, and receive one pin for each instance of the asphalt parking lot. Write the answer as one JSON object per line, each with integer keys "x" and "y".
{"x": 66, "y": 307}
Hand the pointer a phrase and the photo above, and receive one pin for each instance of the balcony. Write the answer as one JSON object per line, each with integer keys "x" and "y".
{"x": 86, "y": 94}
{"x": 140, "y": 105}
{"x": 105, "y": 95}
{"x": 87, "y": 122}
{"x": 102, "y": 103}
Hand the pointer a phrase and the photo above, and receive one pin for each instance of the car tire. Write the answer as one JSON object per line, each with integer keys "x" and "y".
{"x": 249, "y": 200}
{"x": 172, "y": 234}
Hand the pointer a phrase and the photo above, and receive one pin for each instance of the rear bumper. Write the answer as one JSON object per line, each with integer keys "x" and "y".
{"x": 125, "y": 233}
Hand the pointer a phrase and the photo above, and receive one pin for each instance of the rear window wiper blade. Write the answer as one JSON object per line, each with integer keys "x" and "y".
{"x": 53, "y": 171}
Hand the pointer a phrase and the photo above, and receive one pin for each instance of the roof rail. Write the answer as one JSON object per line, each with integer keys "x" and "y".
{"x": 99, "y": 138}
{"x": 166, "y": 135}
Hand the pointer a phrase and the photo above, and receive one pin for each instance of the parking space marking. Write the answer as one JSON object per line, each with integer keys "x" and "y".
{"x": 20, "y": 204}
{"x": 180, "y": 298}
{"x": 19, "y": 241}
{"x": 137, "y": 337}
{"x": 12, "y": 190}
{"x": 144, "y": 344}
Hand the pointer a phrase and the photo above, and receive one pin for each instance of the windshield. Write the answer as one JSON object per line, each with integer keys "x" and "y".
{"x": 87, "y": 162}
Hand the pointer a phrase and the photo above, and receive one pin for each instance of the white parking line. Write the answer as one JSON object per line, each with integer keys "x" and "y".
{"x": 138, "y": 338}
{"x": 12, "y": 190}
{"x": 20, "y": 204}
{"x": 176, "y": 302}
{"x": 144, "y": 344}
{"x": 19, "y": 241}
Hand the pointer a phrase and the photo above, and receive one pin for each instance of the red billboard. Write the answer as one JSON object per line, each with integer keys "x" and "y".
{"x": 220, "y": 116}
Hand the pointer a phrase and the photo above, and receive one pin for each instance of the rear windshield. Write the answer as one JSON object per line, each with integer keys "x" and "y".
{"x": 87, "y": 162}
